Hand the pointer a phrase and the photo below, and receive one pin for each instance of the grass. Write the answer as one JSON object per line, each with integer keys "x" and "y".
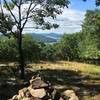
{"x": 65, "y": 65}
{"x": 91, "y": 70}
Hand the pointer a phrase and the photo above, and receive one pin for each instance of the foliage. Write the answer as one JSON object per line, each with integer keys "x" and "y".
{"x": 90, "y": 44}
{"x": 31, "y": 48}
{"x": 6, "y": 24}
{"x": 48, "y": 52}
{"x": 68, "y": 47}
{"x": 8, "y": 49}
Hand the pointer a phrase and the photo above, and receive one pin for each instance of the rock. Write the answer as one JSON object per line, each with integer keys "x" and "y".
{"x": 38, "y": 83}
{"x": 36, "y": 99}
{"x": 96, "y": 97}
{"x": 61, "y": 98}
{"x": 69, "y": 94}
{"x": 26, "y": 99}
{"x": 73, "y": 97}
{"x": 34, "y": 79}
{"x": 64, "y": 98}
{"x": 22, "y": 92}
{"x": 40, "y": 93}
{"x": 15, "y": 97}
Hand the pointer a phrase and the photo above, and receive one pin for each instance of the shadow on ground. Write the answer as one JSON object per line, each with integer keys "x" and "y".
{"x": 60, "y": 79}
{"x": 65, "y": 79}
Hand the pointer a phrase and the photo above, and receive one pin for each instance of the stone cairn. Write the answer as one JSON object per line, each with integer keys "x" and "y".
{"x": 40, "y": 90}
{"x": 37, "y": 90}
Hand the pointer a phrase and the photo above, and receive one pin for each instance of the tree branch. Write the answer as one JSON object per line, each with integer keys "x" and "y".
{"x": 14, "y": 3}
{"x": 19, "y": 11}
{"x": 28, "y": 12}
{"x": 5, "y": 18}
{"x": 32, "y": 27}
{"x": 26, "y": 17}
{"x": 10, "y": 11}
{"x": 1, "y": 8}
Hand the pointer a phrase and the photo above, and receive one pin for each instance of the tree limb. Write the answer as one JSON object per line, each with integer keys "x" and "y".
{"x": 28, "y": 12}
{"x": 10, "y": 11}
{"x": 14, "y": 3}
{"x": 26, "y": 17}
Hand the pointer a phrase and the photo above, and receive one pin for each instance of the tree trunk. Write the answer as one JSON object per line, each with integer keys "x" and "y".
{"x": 20, "y": 49}
{"x": 21, "y": 58}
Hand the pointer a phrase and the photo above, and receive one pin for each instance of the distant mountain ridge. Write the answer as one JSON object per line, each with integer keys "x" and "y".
{"x": 53, "y": 35}
{"x": 46, "y": 37}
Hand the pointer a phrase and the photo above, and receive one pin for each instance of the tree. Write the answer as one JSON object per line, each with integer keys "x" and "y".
{"x": 68, "y": 47}
{"x": 90, "y": 43}
{"x": 92, "y": 21}
{"x": 8, "y": 49}
{"x": 36, "y": 9}
{"x": 31, "y": 48}
{"x": 48, "y": 52}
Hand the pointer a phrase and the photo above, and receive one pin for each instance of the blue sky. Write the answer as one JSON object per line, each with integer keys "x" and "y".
{"x": 83, "y": 6}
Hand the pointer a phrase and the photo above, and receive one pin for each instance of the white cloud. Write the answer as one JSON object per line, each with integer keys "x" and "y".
{"x": 69, "y": 21}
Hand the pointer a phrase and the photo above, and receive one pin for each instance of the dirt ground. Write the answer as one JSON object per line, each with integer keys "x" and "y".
{"x": 86, "y": 86}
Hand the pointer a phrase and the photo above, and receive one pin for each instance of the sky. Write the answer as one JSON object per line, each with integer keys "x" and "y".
{"x": 83, "y": 6}
{"x": 71, "y": 19}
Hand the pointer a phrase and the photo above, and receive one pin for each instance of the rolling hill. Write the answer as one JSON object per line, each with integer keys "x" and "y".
{"x": 46, "y": 38}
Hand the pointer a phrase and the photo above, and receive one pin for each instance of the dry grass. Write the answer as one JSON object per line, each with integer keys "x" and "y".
{"x": 65, "y": 65}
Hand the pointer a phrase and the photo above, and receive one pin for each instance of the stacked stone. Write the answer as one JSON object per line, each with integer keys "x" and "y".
{"x": 37, "y": 90}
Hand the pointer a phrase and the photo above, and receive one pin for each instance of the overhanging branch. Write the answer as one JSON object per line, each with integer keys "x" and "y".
{"x": 14, "y": 2}
{"x": 10, "y": 11}
{"x": 28, "y": 12}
